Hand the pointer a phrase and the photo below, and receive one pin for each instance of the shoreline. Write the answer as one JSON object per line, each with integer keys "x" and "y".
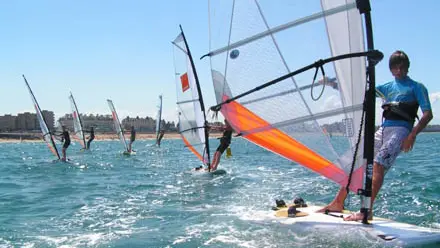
{"x": 104, "y": 137}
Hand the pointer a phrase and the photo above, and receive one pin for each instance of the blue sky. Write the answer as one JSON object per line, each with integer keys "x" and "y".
{"x": 122, "y": 50}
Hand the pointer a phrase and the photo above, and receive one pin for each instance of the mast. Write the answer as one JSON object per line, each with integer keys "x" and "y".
{"x": 370, "y": 106}
{"x": 202, "y": 105}
{"x": 38, "y": 109}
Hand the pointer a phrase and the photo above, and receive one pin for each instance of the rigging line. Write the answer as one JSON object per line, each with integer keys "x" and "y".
{"x": 359, "y": 137}
{"x": 313, "y": 84}
{"x": 376, "y": 54}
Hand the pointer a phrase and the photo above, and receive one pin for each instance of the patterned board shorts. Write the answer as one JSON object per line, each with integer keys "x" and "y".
{"x": 387, "y": 144}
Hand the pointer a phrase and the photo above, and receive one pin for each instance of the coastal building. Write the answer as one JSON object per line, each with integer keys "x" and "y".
{"x": 101, "y": 123}
{"x": 7, "y": 123}
{"x": 147, "y": 124}
{"x": 49, "y": 116}
{"x": 104, "y": 123}
{"x": 26, "y": 121}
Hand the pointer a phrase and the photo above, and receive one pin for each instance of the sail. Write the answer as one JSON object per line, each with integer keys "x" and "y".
{"x": 256, "y": 49}
{"x": 159, "y": 118}
{"x": 47, "y": 135}
{"x": 117, "y": 125}
{"x": 58, "y": 128}
{"x": 191, "y": 111}
{"x": 77, "y": 123}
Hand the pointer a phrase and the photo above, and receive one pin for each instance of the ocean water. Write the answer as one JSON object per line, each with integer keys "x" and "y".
{"x": 104, "y": 199}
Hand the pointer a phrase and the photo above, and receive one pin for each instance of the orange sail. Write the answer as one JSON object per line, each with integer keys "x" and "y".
{"x": 242, "y": 119}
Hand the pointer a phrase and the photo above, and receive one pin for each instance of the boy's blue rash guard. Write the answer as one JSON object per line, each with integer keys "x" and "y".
{"x": 404, "y": 90}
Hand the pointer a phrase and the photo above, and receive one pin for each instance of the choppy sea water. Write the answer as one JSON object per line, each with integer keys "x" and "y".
{"x": 104, "y": 199}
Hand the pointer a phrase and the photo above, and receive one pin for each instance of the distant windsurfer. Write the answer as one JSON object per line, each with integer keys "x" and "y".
{"x": 65, "y": 137}
{"x": 90, "y": 138}
{"x": 199, "y": 168}
{"x": 159, "y": 139}
{"x": 132, "y": 138}
{"x": 225, "y": 141}
{"x": 403, "y": 96}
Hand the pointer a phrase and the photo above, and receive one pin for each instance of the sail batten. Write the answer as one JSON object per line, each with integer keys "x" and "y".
{"x": 188, "y": 101}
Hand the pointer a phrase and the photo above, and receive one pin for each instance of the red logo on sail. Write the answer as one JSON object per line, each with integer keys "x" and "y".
{"x": 184, "y": 81}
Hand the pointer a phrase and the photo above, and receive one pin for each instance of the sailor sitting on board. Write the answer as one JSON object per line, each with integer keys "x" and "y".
{"x": 396, "y": 133}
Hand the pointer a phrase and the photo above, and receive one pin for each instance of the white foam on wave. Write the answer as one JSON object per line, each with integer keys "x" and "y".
{"x": 5, "y": 243}
{"x": 194, "y": 231}
{"x": 181, "y": 240}
{"x": 98, "y": 223}
{"x": 229, "y": 239}
{"x": 249, "y": 214}
{"x": 88, "y": 239}
{"x": 229, "y": 235}
{"x": 27, "y": 245}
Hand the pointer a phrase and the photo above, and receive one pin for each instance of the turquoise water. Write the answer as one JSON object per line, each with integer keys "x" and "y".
{"x": 104, "y": 199}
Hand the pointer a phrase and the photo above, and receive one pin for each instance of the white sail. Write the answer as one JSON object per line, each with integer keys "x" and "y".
{"x": 77, "y": 123}
{"x": 159, "y": 118}
{"x": 191, "y": 111}
{"x": 47, "y": 135}
{"x": 117, "y": 124}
